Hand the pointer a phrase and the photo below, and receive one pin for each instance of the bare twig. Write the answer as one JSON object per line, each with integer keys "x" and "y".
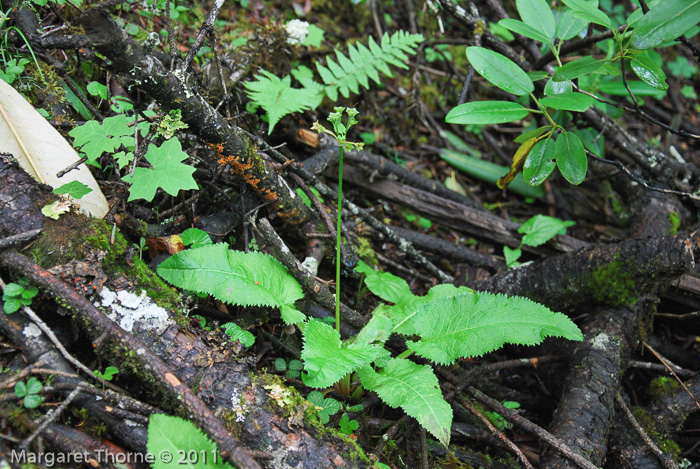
{"x": 522, "y": 422}
{"x": 669, "y": 368}
{"x": 619, "y": 165}
{"x": 50, "y": 416}
{"x": 496, "y": 432}
{"x": 203, "y": 33}
{"x": 666, "y": 459}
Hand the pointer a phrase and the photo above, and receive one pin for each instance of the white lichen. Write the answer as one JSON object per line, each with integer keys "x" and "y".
{"x": 239, "y": 406}
{"x": 128, "y": 309}
{"x": 311, "y": 265}
{"x": 32, "y": 330}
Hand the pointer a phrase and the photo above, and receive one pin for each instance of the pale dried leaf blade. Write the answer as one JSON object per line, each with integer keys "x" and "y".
{"x": 36, "y": 144}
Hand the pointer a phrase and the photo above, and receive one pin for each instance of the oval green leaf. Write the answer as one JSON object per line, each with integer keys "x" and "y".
{"x": 639, "y": 88}
{"x": 569, "y": 26}
{"x": 500, "y": 71}
{"x": 532, "y": 133}
{"x": 557, "y": 87}
{"x": 489, "y": 172}
{"x": 486, "y": 112}
{"x": 665, "y": 22}
{"x": 571, "y": 157}
{"x": 578, "y": 67}
{"x": 524, "y": 29}
{"x": 588, "y": 11}
{"x": 649, "y": 72}
{"x": 569, "y": 101}
{"x": 540, "y": 162}
{"x": 538, "y": 15}
{"x": 597, "y": 17}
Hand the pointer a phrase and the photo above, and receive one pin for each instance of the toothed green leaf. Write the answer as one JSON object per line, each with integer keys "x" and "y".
{"x": 473, "y": 324}
{"x": 327, "y": 359}
{"x": 235, "y": 277}
{"x": 416, "y": 390}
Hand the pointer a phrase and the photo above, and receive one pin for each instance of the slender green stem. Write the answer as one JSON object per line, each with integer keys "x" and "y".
{"x": 338, "y": 239}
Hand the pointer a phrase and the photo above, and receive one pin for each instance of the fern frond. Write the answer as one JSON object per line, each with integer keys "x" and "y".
{"x": 345, "y": 74}
{"x": 278, "y": 98}
{"x": 348, "y": 73}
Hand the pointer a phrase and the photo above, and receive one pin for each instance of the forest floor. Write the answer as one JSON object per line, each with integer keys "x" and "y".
{"x": 219, "y": 337}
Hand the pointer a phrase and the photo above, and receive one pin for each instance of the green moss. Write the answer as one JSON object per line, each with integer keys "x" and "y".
{"x": 663, "y": 385}
{"x": 612, "y": 284}
{"x": 137, "y": 271}
{"x": 648, "y": 423}
{"x": 59, "y": 245}
{"x": 674, "y": 219}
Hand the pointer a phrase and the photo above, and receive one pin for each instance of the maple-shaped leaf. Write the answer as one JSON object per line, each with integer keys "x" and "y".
{"x": 167, "y": 172}
{"x": 94, "y": 138}
{"x": 75, "y": 189}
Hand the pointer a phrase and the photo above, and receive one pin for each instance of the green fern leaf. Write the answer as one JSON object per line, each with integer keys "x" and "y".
{"x": 348, "y": 73}
{"x": 343, "y": 75}
{"x": 473, "y": 324}
{"x": 235, "y": 277}
{"x": 277, "y": 97}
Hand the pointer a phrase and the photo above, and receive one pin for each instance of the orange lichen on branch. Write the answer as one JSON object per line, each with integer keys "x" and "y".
{"x": 246, "y": 168}
{"x": 252, "y": 169}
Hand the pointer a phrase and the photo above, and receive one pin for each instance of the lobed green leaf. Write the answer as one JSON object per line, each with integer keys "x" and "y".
{"x": 277, "y": 97}
{"x": 167, "y": 172}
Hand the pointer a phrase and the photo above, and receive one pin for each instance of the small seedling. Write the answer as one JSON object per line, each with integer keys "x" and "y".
{"x": 348, "y": 426}
{"x": 141, "y": 247}
{"x": 109, "y": 373}
{"x": 17, "y": 295}
{"x": 537, "y": 230}
{"x": 326, "y": 406}
{"x": 235, "y": 333}
{"x": 497, "y": 419}
{"x": 30, "y": 392}
{"x": 293, "y": 368}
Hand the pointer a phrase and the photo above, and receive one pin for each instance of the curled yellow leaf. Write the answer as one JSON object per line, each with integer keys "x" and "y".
{"x": 518, "y": 161}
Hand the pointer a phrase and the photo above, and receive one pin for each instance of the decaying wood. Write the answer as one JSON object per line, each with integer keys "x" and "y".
{"x": 585, "y": 413}
{"x": 613, "y": 274}
{"x": 176, "y": 361}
